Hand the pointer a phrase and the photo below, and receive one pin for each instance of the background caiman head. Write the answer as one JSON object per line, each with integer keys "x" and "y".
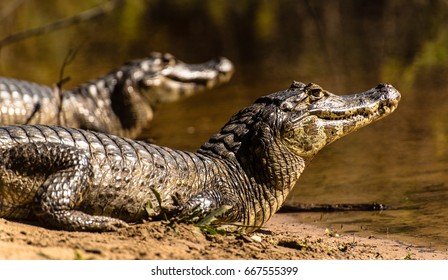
{"x": 163, "y": 78}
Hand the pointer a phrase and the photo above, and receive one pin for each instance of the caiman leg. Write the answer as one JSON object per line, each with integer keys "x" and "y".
{"x": 58, "y": 193}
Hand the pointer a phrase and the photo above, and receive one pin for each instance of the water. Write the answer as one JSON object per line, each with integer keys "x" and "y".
{"x": 344, "y": 46}
{"x": 401, "y": 162}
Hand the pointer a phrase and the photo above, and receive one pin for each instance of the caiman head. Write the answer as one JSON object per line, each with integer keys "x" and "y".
{"x": 273, "y": 140}
{"x": 314, "y": 118}
{"x": 163, "y": 78}
{"x": 301, "y": 120}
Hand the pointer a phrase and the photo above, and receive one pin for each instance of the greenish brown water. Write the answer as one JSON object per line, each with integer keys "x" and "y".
{"x": 344, "y": 46}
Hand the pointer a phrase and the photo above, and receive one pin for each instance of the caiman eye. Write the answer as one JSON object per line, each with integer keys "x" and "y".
{"x": 314, "y": 91}
{"x": 168, "y": 59}
{"x": 316, "y": 94}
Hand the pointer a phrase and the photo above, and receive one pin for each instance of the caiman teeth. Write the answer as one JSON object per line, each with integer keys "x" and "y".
{"x": 387, "y": 109}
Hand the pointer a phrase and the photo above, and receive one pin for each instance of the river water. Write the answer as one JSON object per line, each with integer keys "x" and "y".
{"x": 344, "y": 46}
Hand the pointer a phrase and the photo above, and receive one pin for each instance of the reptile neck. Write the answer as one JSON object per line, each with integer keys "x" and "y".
{"x": 267, "y": 170}
{"x": 111, "y": 103}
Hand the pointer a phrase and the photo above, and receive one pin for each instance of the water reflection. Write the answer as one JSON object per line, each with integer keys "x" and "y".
{"x": 401, "y": 162}
{"x": 344, "y": 46}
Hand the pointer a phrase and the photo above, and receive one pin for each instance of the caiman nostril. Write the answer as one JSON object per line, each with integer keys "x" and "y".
{"x": 391, "y": 93}
{"x": 225, "y": 66}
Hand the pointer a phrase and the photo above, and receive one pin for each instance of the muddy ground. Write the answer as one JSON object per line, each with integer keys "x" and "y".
{"x": 281, "y": 238}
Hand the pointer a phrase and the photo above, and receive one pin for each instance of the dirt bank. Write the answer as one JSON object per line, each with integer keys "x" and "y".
{"x": 280, "y": 239}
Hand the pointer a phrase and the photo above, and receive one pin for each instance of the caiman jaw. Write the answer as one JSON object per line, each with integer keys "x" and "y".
{"x": 370, "y": 105}
{"x": 208, "y": 74}
{"x": 341, "y": 115}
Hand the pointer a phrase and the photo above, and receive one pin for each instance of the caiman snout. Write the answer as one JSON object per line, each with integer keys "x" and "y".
{"x": 225, "y": 68}
{"x": 390, "y": 93}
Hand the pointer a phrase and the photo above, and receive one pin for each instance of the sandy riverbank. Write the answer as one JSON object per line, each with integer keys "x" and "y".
{"x": 280, "y": 239}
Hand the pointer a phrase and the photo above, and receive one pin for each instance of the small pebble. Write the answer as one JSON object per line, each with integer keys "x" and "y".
{"x": 256, "y": 238}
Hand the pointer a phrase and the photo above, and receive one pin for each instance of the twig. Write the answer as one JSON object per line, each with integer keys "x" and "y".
{"x": 67, "y": 60}
{"x": 300, "y": 207}
{"x": 62, "y": 80}
{"x": 97, "y": 11}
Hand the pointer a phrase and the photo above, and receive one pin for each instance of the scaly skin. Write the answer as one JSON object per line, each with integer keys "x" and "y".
{"x": 121, "y": 102}
{"x": 78, "y": 180}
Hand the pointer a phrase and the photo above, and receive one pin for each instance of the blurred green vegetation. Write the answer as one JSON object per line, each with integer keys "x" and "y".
{"x": 331, "y": 42}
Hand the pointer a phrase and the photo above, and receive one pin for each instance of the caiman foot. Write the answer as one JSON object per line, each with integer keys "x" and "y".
{"x": 78, "y": 221}
{"x": 209, "y": 207}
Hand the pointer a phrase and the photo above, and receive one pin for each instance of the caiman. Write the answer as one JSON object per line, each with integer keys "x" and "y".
{"x": 73, "y": 179}
{"x": 121, "y": 102}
